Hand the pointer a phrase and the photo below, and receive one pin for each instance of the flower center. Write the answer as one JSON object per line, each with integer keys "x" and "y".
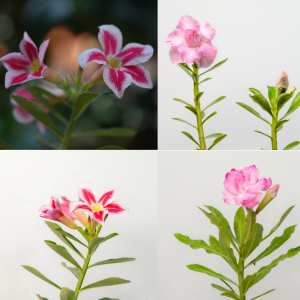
{"x": 114, "y": 63}
{"x": 35, "y": 66}
{"x": 97, "y": 207}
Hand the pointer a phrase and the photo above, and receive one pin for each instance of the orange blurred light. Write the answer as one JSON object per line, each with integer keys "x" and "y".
{"x": 3, "y": 51}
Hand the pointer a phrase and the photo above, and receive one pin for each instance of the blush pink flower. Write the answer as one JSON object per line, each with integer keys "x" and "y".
{"x": 122, "y": 66}
{"x": 191, "y": 42}
{"x": 243, "y": 187}
{"x": 97, "y": 208}
{"x": 27, "y": 65}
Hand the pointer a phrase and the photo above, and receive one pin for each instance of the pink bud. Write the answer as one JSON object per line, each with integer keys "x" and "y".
{"x": 66, "y": 221}
{"x": 97, "y": 77}
{"x": 51, "y": 76}
{"x": 283, "y": 82}
{"x": 270, "y": 195}
{"x": 81, "y": 217}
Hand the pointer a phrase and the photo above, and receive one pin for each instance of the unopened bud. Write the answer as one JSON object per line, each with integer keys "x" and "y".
{"x": 66, "y": 221}
{"x": 97, "y": 77}
{"x": 51, "y": 76}
{"x": 81, "y": 217}
{"x": 283, "y": 82}
{"x": 270, "y": 195}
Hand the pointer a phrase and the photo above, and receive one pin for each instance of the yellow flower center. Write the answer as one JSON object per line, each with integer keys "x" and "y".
{"x": 113, "y": 63}
{"x": 97, "y": 207}
{"x": 35, "y": 66}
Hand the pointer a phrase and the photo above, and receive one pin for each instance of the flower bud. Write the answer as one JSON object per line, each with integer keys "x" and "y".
{"x": 270, "y": 195}
{"x": 283, "y": 82}
{"x": 94, "y": 224}
{"x": 97, "y": 77}
{"x": 51, "y": 76}
{"x": 66, "y": 221}
{"x": 81, "y": 217}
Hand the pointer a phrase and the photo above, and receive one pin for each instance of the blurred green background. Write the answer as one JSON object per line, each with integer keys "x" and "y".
{"x": 72, "y": 26}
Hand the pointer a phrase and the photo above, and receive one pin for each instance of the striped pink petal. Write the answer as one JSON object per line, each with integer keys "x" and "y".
{"x": 42, "y": 50}
{"x": 15, "y": 62}
{"x": 99, "y": 216}
{"x": 108, "y": 197}
{"x": 28, "y": 48}
{"x": 140, "y": 76}
{"x": 111, "y": 39}
{"x": 79, "y": 205}
{"x": 87, "y": 193}
{"x": 116, "y": 209}
{"x": 15, "y": 77}
{"x": 91, "y": 55}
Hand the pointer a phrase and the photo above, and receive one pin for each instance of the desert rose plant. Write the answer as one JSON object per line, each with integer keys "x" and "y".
{"x": 278, "y": 96}
{"x": 191, "y": 44}
{"x": 31, "y": 101}
{"x": 87, "y": 216}
{"x": 242, "y": 187}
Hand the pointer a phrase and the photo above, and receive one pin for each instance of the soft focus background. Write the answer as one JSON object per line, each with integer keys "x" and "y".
{"x": 28, "y": 180}
{"x": 191, "y": 180}
{"x": 72, "y": 27}
{"x": 260, "y": 40}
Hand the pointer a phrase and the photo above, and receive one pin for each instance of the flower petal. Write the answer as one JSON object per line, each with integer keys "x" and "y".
{"x": 54, "y": 214}
{"x": 44, "y": 208}
{"x": 108, "y": 197}
{"x": 99, "y": 216}
{"x": 176, "y": 38}
{"x": 116, "y": 209}
{"x": 187, "y": 22}
{"x": 207, "y": 30}
{"x": 208, "y": 50}
{"x": 42, "y": 50}
{"x": 15, "y": 62}
{"x": 259, "y": 185}
{"x": 15, "y": 77}
{"x": 234, "y": 182}
{"x": 91, "y": 55}
{"x": 134, "y": 53}
{"x": 253, "y": 202}
{"x": 203, "y": 62}
{"x": 228, "y": 197}
{"x": 175, "y": 56}
{"x": 87, "y": 193}
{"x": 117, "y": 80}
{"x": 244, "y": 197}
{"x": 188, "y": 55}
{"x": 21, "y": 115}
{"x": 66, "y": 209}
{"x": 140, "y": 76}
{"x": 79, "y": 205}
{"x": 28, "y": 48}
{"x": 268, "y": 184}
{"x": 111, "y": 39}
{"x": 251, "y": 174}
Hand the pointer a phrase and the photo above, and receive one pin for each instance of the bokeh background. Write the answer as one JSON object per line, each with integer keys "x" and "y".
{"x": 72, "y": 26}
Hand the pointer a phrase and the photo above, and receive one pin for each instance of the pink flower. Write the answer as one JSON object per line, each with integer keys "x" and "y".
{"x": 97, "y": 208}
{"x": 20, "y": 114}
{"x": 27, "y": 65}
{"x": 191, "y": 42}
{"x": 122, "y": 66}
{"x": 243, "y": 187}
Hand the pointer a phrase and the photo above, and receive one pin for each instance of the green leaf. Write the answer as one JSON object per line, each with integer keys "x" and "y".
{"x": 43, "y": 142}
{"x": 190, "y": 137}
{"x": 220, "y": 288}
{"x": 177, "y": 119}
{"x": 275, "y": 244}
{"x": 215, "y": 66}
{"x": 280, "y": 222}
{"x": 255, "y": 91}
{"x": 225, "y": 244}
{"x": 252, "y": 111}
{"x": 215, "y": 102}
{"x": 231, "y": 295}
{"x": 217, "y": 140}
{"x": 4, "y": 145}
{"x": 249, "y": 224}
{"x": 199, "y": 95}
{"x": 67, "y": 294}
{"x": 291, "y": 145}
{"x": 263, "y": 294}
{"x": 75, "y": 271}
{"x": 262, "y": 272}
{"x": 271, "y": 92}
{"x": 280, "y": 125}
{"x": 262, "y": 102}
{"x": 192, "y": 109}
{"x": 206, "y": 79}
{"x": 41, "y": 298}
{"x": 38, "y": 113}
{"x": 284, "y": 98}
{"x": 104, "y": 96}
{"x": 295, "y": 104}
{"x": 112, "y": 261}
{"x": 113, "y": 132}
{"x": 248, "y": 282}
{"x": 72, "y": 237}
{"x": 239, "y": 224}
{"x": 213, "y": 135}
{"x": 185, "y": 68}
{"x": 209, "y": 272}
{"x": 81, "y": 103}
{"x": 179, "y": 100}
{"x": 263, "y": 134}
{"x": 55, "y": 228}
{"x": 254, "y": 239}
{"x": 62, "y": 251}
{"x": 96, "y": 241}
{"x": 211, "y": 115}
{"x": 40, "y": 275}
{"x": 106, "y": 282}
{"x": 111, "y": 147}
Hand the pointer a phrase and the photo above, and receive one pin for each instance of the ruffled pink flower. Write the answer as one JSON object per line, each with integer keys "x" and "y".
{"x": 191, "y": 42}
{"x": 20, "y": 114}
{"x": 122, "y": 66}
{"x": 243, "y": 187}
{"x": 27, "y": 65}
{"x": 97, "y": 208}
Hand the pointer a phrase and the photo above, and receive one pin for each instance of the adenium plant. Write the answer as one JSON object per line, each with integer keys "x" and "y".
{"x": 119, "y": 68}
{"x": 191, "y": 43}
{"x": 242, "y": 187}
{"x": 87, "y": 216}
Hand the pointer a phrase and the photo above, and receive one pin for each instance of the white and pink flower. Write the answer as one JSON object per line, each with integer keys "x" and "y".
{"x": 27, "y": 65}
{"x": 97, "y": 208}
{"x": 122, "y": 66}
{"x": 191, "y": 42}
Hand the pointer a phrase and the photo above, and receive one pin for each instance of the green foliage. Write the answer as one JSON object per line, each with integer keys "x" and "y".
{"x": 291, "y": 145}
{"x": 4, "y": 145}
{"x": 67, "y": 294}
{"x": 106, "y": 282}
{"x": 112, "y": 261}
{"x": 112, "y": 132}
{"x": 190, "y": 137}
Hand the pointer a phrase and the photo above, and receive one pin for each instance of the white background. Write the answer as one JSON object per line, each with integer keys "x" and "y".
{"x": 29, "y": 178}
{"x": 260, "y": 40}
{"x": 188, "y": 180}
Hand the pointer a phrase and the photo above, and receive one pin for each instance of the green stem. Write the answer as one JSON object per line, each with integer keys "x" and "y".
{"x": 82, "y": 275}
{"x": 274, "y": 133}
{"x": 198, "y": 108}
{"x": 70, "y": 128}
{"x": 241, "y": 273}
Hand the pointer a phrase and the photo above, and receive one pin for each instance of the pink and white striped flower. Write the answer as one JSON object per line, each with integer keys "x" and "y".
{"x": 97, "y": 208}
{"x": 27, "y": 65}
{"x": 122, "y": 66}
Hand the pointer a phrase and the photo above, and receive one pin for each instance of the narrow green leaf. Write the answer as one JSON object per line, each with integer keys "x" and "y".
{"x": 192, "y": 109}
{"x": 179, "y": 100}
{"x": 252, "y": 111}
{"x": 254, "y": 239}
{"x": 96, "y": 241}
{"x": 248, "y": 282}
{"x": 215, "y": 102}
{"x": 112, "y": 132}
{"x": 263, "y": 294}
{"x": 211, "y": 115}
{"x": 185, "y": 68}
{"x": 112, "y": 261}
{"x": 72, "y": 237}
{"x": 40, "y": 275}
{"x": 206, "y": 79}
{"x": 262, "y": 102}
{"x": 220, "y": 288}
{"x": 213, "y": 135}
{"x": 111, "y": 147}
{"x": 280, "y": 125}
{"x": 215, "y": 66}
{"x": 82, "y": 102}
{"x": 106, "y": 282}
{"x": 280, "y": 222}
{"x": 4, "y": 145}
{"x": 291, "y": 145}
{"x": 255, "y": 91}
{"x": 43, "y": 142}
{"x": 284, "y": 98}
{"x": 239, "y": 224}
{"x": 38, "y": 113}
{"x": 263, "y": 134}
{"x": 62, "y": 251}
{"x": 231, "y": 295}
{"x": 190, "y": 137}
{"x": 177, "y": 119}
{"x": 67, "y": 294}
{"x": 104, "y": 96}
{"x": 295, "y": 104}
{"x": 272, "y": 92}
{"x": 209, "y": 272}
{"x": 199, "y": 95}
{"x": 249, "y": 224}
{"x": 75, "y": 271}
{"x": 41, "y": 298}
{"x": 217, "y": 140}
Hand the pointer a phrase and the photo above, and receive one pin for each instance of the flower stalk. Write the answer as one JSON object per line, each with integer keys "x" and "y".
{"x": 273, "y": 129}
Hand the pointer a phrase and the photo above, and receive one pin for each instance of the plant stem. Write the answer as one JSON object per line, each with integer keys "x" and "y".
{"x": 241, "y": 273}
{"x": 274, "y": 132}
{"x": 198, "y": 109}
{"x": 82, "y": 275}
{"x": 70, "y": 128}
